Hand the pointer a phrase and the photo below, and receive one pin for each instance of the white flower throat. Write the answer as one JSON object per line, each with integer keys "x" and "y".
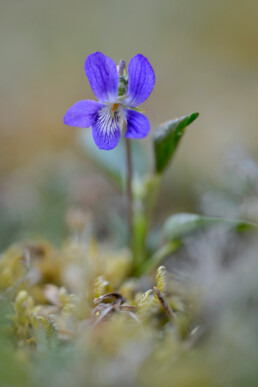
{"x": 110, "y": 118}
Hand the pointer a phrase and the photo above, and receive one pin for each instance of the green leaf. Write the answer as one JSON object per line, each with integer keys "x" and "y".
{"x": 166, "y": 140}
{"x": 178, "y": 225}
{"x": 112, "y": 162}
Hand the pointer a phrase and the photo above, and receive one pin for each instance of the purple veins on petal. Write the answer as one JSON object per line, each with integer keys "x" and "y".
{"x": 138, "y": 125}
{"x": 141, "y": 80}
{"x": 82, "y": 113}
{"x": 102, "y": 74}
{"x": 106, "y": 129}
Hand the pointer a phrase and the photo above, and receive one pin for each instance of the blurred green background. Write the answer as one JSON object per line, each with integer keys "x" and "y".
{"x": 205, "y": 57}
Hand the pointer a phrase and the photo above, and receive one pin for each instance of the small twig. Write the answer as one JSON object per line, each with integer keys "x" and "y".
{"x": 133, "y": 315}
{"x": 97, "y": 309}
{"x": 164, "y": 303}
{"x": 116, "y": 306}
{"x": 102, "y": 315}
{"x": 118, "y": 297}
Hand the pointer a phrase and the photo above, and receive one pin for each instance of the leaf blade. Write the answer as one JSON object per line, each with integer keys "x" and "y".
{"x": 179, "y": 225}
{"x": 167, "y": 138}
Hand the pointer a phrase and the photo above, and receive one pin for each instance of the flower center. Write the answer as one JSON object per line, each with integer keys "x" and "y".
{"x": 114, "y": 107}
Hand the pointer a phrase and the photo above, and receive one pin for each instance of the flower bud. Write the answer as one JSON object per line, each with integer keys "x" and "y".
{"x": 123, "y": 78}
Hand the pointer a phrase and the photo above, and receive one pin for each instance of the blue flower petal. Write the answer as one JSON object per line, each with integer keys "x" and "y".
{"x": 106, "y": 129}
{"x": 82, "y": 113}
{"x": 102, "y": 74}
{"x": 141, "y": 80}
{"x": 138, "y": 125}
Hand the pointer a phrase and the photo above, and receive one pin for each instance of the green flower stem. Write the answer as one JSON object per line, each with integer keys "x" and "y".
{"x": 129, "y": 188}
{"x": 157, "y": 257}
{"x": 139, "y": 238}
{"x": 152, "y": 195}
{"x": 143, "y": 206}
{"x": 142, "y": 220}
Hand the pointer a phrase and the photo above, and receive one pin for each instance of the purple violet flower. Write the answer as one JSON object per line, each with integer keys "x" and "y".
{"x": 118, "y": 97}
